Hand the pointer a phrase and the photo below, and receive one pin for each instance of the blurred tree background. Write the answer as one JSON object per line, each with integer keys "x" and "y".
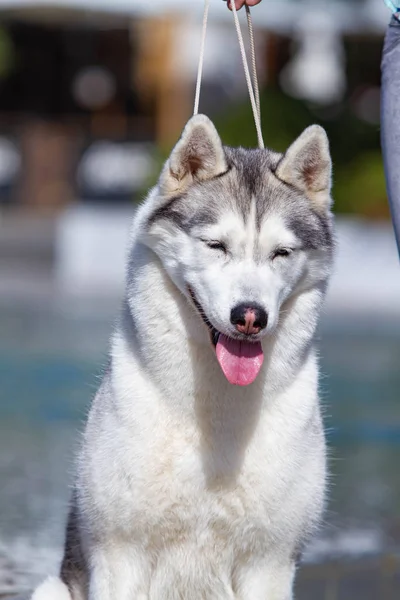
{"x": 45, "y": 67}
{"x": 352, "y": 126}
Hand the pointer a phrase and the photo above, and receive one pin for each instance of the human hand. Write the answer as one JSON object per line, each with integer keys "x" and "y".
{"x": 240, "y": 3}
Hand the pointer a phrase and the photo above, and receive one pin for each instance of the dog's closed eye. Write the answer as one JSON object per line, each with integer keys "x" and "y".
{"x": 215, "y": 245}
{"x": 281, "y": 252}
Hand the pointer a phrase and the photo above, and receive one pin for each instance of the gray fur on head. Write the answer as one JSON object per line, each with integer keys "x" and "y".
{"x": 203, "y": 179}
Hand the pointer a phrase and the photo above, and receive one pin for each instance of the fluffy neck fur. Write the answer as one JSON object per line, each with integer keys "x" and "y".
{"x": 163, "y": 349}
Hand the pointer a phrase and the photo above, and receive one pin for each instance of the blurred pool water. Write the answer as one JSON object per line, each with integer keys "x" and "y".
{"x": 50, "y": 365}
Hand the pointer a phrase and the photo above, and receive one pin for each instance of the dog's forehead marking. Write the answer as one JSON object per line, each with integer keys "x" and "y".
{"x": 229, "y": 226}
{"x": 246, "y": 239}
{"x": 251, "y": 230}
{"x": 274, "y": 231}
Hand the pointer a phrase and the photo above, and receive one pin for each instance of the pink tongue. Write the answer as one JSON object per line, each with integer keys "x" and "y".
{"x": 240, "y": 361}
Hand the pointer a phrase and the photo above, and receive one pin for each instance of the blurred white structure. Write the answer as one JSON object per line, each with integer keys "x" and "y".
{"x": 316, "y": 72}
{"x": 91, "y": 246}
{"x": 366, "y": 280}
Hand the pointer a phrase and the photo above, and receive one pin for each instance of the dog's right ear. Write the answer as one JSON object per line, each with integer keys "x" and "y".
{"x": 197, "y": 156}
{"x": 307, "y": 166}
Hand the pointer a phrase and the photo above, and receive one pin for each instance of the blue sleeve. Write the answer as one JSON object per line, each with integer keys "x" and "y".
{"x": 394, "y": 5}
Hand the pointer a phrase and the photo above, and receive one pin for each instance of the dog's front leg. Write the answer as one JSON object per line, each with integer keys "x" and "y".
{"x": 265, "y": 580}
{"x": 117, "y": 573}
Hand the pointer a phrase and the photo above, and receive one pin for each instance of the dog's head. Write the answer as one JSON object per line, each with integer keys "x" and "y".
{"x": 240, "y": 231}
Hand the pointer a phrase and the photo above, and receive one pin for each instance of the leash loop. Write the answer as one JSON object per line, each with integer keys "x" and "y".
{"x": 252, "y": 82}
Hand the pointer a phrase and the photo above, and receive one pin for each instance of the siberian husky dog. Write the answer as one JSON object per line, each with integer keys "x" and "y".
{"x": 203, "y": 468}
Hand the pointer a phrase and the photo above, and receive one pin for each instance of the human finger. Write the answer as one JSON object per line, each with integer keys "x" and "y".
{"x": 240, "y": 3}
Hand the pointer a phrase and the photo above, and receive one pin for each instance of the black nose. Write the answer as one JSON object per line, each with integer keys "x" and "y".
{"x": 249, "y": 318}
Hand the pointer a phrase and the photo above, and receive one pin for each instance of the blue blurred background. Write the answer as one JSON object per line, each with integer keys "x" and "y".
{"x": 93, "y": 93}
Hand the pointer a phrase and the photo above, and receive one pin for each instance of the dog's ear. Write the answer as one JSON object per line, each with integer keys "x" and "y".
{"x": 197, "y": 156}
{"x": 307, "y": 165}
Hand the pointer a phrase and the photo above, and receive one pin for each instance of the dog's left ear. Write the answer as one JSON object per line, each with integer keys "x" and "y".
{"x": 307, "y": 165}
{"x": 197, "y": 156}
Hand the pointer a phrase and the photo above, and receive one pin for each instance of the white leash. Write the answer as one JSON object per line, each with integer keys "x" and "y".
{"x": 252, "y": 86}
{"x": 201, "y": 59}
{"x": 253, "y": 62}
